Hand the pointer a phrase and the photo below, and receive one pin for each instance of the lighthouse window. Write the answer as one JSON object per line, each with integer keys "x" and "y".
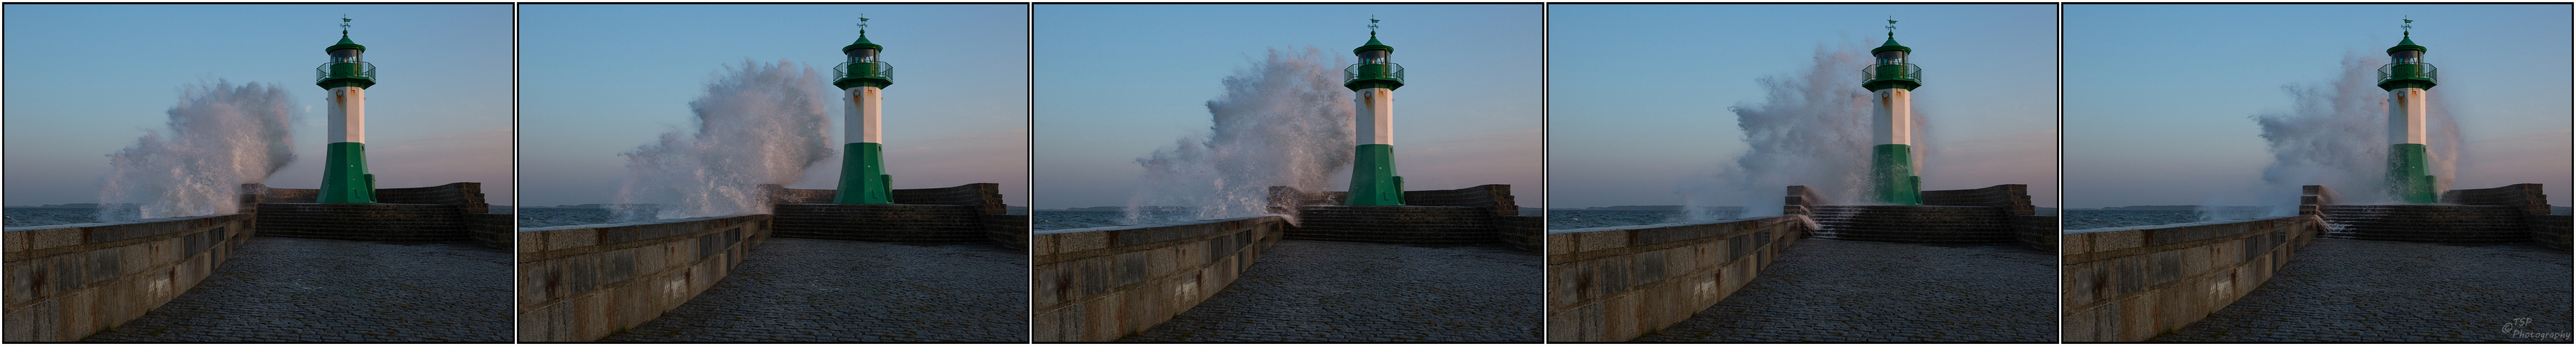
{"x": 863, "y": 55}
{"x": 344, "y": 55}
{"x": 1373, "y": 57}
{"x": 2407, "y": 56}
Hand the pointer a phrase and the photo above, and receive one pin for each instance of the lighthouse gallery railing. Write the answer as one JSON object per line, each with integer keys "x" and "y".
{"x": 1357, "y": 72}
{"x": 359, "y": 70}
{"x": 1894, "y": 71}
{"x": 2424, "y": 71}
{"x": 879, "y": 69}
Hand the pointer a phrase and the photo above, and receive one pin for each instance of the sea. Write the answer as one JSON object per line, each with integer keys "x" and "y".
{"x": 551, "y": 217}
{"x": 2090, "y": 219}
{"x": 30, "y": 216}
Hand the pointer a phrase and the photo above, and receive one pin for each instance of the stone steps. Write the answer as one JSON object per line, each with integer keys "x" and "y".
{"x": 901, "y": 223}
{"x": 2428, "y": 223}
{"x": 362, "y": 221}
{"x": 1395, "y": 224}
{"x": 1915, "y": 224}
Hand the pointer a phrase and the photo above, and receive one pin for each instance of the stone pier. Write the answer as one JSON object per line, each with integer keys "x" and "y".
{"x": 2479, "y": 268}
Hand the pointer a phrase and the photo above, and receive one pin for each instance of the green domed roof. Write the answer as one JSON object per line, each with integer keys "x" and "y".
{"x": 1373, "y": 45}
{"x": 1891, "y": 45}
{"x": 2407, "y": 43}
{"x": 345, "y": 43}
{"x": 861, "y": 43}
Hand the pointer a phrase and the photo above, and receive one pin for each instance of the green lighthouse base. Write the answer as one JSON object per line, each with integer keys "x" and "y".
{"x": 344, "y": 175}
{"x": 1373, "y": 180}
{"x": 2409, "y": 179}
{"x": 1891, "y": 175}
{"x": 863, "y": 178}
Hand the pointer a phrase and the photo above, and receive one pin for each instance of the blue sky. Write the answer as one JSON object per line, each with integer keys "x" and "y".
{"x": 1116, "y": 82}
{"x": 2129, "y": 142}
{"x": 85, "y": 80}
{"x": 1639, "y": 93}
{"x": 602, "y": 79}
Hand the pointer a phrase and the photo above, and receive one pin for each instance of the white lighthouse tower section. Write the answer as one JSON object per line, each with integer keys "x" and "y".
{"x": 2406, "y": 116}
{"x": 1376, "y": 116}
{"x": 1892, "y": 120}
{"x": 867, "y": 108}
{"x": 348, "y": 115}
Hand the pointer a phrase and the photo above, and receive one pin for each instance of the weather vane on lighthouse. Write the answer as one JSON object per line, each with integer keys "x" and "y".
{"x": 2407, "y": 29}
{"x": 1372, "y": 26}
{"x": 863, "y": 24}
{"x": 344, "y": 24}
{"x": 1891, "y": 26}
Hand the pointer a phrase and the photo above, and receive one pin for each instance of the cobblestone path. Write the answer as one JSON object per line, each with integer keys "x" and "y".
{"x": 811, "y": 290}
{"x": 2342, "y": 290}
{"x": 1304, "y": 290}
{"x": 276, "y": 289}
{"x": 1822, "y": 290}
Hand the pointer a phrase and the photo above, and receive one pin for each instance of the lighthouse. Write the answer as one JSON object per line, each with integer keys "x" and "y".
{"x": 862, "y": 80}
{"x": 1891, "y": 82}
{"x": 347, "y": 76}
{"x": 1374, "y": 80}
{"x": 2406, "y": 78}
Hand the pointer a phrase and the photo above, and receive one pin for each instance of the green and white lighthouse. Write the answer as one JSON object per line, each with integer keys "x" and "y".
{"x": 863, "y": 80}
{"x": 2407, "y": 78}
{"x": 1891, "y": 82}
{"x": 1374, "y": 80}
{"x": 347, "y": 76}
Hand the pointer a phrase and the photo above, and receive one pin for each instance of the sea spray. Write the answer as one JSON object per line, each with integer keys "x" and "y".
{"x": 1283, "y": 121}
{"x": 1812, "y": 128}
{"x": 757, "y": 124}
{"x": 2336, "y": 134}
{"x": 219, "y": 136}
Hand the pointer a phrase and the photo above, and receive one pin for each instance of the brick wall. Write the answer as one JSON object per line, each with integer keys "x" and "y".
{"x": 2546, "y": 229}
{"x": 2131, "y": 284}
{"x": 2527, "y": 197}
{"x": 1010, "y": 231}
{"x": 2037, "y": 231}
{"x": 466, "y": 197}
{"x": 363, "y": 221}
{"x": 493, "y": 230}
{"x": 905, "y": 223}
{"x": 2014, "y": 199}
{"x": 1395, "y": 224}
{"x": 1613, "y": 284}
{"x": 985, "y": 197}
{"x": 581, "y": 283}
{"x": 435, "y": 213}
{"x": 1496, "y": 197}
{"x": 1100, "y": 284}
{"x": 2550, "y": 230}
{"x": 69, "y": 281}
{"x": 1522, "y": 232}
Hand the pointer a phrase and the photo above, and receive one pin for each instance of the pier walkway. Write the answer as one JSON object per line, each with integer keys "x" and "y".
{"x": 2343, "y": 290}
{"x": 1824, "y": 290}
{"x": 277, "y": 289}
{"x": 1326, "y": 291}
{"x": 813, "y": 290}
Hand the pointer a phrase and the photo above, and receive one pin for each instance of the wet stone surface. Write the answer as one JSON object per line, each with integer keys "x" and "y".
{"x": 811, "y": 290}
{"x": 1822, "y": 290}
{"x": 2343, "y": 290}
{"x": 1323, "y": 291}
{"x": 276, "y": 289}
